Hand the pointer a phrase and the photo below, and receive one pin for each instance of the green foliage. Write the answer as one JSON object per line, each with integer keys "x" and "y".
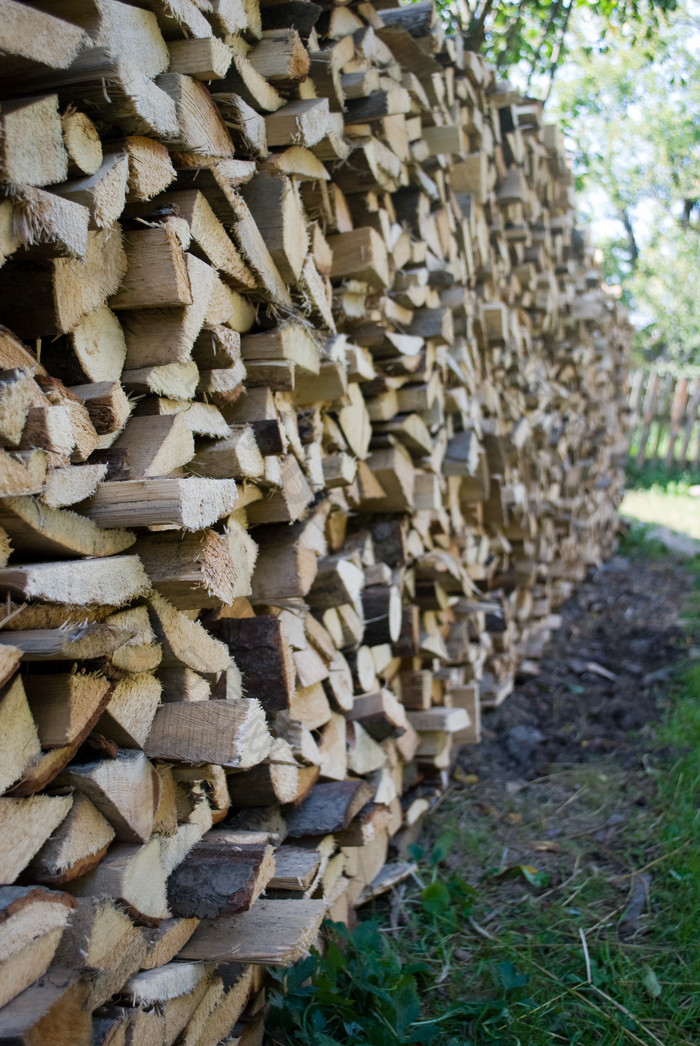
{"x": 631, "y": 116}
{"x": 530, "y": 38}
{"x": 366, "y": 989}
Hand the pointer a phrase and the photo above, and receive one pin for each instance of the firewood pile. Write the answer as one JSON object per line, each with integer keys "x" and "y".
{"x": 311, "y": 415}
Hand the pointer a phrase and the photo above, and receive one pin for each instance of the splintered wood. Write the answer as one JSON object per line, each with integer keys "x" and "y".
{"x": 311, "y": 416}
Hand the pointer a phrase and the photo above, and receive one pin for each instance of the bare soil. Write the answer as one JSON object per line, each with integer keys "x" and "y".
{"x": 603, "y": 681}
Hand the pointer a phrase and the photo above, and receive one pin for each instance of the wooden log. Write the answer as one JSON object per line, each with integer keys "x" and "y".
{"x": 189, "y": 503}
{"x": 380, "y": 714}
{"x": 276, "y": 780}
{"x": 20, "y": 741}
{"x": 186, "y": 642}
{"x": 82, "y": 142}
{"x": 200, "y": 127}
{"x": 298, "y": 123}
{"x": 52, "y": 1010}
{"x": 263, "y": 656}
{"x": 124, "y": 790}
{"x": 130, "y": 711}
{"x": 217, "y": 879}
{"x": 280, "y": 57}
{"x": 329, "y": 807}
{"x": 102, "y": 193}
{"x": 30, "y": 37}
{"x": 156, "y": 272}
{"x": 230, "y": 733}
{"x": 211, "y": 239}
{"x": 62, "y": 705}
{"x": 274, "y": 933}
{"x": 32, "y": 921}
{"x": 73, "y": 642}
{"x": 75, "y": 848}
{"x": 47, "y": 225}
{"x": 32, "y": 150}
{"x": 134, "y": 877}
{"x": 54, "y": 297}
{"x": 37, "y": 529}
{"x": 113, "y": 581}
{"x": 204, "y": 59}
{"x": 25, "y": 825}
{"x": 192, "y": 572}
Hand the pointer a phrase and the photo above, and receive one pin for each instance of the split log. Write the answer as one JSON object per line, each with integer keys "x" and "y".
{"x": 217, "y": 879}
{"x": 32, "y": 921}
{"x": 230, "y": 733}
{"x": 272, "y": 933}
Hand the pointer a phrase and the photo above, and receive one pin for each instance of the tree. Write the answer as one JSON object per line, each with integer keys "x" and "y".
{"x": 633, "y": 119}
{"x": 531, "y": 36}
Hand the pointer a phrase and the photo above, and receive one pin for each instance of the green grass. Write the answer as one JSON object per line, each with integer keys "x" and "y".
{"x": 531, "y": 953}
{"x": 662, "y": 498}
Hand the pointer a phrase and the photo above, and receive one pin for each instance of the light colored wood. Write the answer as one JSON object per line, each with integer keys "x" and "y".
{"x": 245, "y": 125}
{"x": 48, "y": 225}
{"x": 191, "y": 503}
{"x": 360, "y": 255}
{"x": 242, "y": 79}
{"x": 66, "y": 290}
{"x": 102, "y": 193}
{"x": 203, "y": 419}
{"x": 156, "y": 337}
{"x": 129, "y": 714}
{"x": 157, "y": 271}
{"x": 68, "y": 643}
{"x": 165, "y": 942}
{"x": 204, "y": 59}
{"x": 124, "y": 790}
{"x": 52, "y": 1010}
{"x": 231, "y": 733}
{"x": 211, "y": 238}
{"x": 37, "y": 529}
{"x": 82, "y": 143}
{"x": 134, "y": 877}
{"x": 62, "y": 705}
{"x": 19, "y": 740}
{"x": 298, "y": 123}
{"x": 273, "y": 933}
{"x": 106, "y": 403}
{"x": 156, "y": 445}
{"x": 291, "y": 342}
{"x": 186, "y": 642}
{"x": 280, "y": 57}
{"x": 112, "y": 581}
{"x": 25, "y": 825}
{"x": 193, "y": 571}
{"x": 77, "y": 845}
{"x": 31, "y": 926}
{"x": 201, "y": 129}
{"x": 277, "y": 210}
{"x": 150, "y": 168}
{"x": 32, "y": 150}
{"x": 34, "y": 36}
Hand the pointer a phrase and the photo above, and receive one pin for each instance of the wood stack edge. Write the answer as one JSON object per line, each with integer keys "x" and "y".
{"x": 312, "y": 413}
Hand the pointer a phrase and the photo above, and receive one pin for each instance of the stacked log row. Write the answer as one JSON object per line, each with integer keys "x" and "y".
{"x": 311, "y": 414}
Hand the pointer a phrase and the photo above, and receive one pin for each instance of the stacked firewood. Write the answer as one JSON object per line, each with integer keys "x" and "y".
{"x": 311, "y": 415}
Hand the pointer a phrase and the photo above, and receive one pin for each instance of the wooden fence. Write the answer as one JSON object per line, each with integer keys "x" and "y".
{"x": 666, "y": 410}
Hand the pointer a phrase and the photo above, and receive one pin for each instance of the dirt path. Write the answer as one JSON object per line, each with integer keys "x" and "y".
{"x": 601, "y": 682}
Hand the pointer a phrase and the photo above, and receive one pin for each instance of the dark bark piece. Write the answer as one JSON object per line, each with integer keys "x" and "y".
{"x": 329, "y": 807}
{"x": 217, "y": 879}
{"x": 263, "y": 656}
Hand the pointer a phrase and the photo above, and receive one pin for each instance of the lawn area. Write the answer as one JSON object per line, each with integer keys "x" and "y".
{"x": 680, "y": 512}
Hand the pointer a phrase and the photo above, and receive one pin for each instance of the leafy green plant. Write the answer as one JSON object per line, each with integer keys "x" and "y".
{"x": 367, "y": 988}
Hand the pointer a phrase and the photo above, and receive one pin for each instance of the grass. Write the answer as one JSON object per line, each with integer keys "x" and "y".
{"x": 662, "y": 498}
{"x": 569, "y": 913}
